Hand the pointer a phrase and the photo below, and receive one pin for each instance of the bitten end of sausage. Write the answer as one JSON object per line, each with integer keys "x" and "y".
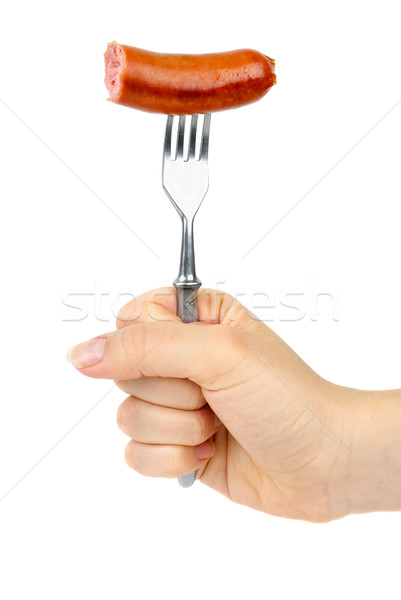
{"x": 114, "y": 60}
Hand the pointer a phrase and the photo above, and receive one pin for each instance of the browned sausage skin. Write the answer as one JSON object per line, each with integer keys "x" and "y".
{"x": 185, "y": 84}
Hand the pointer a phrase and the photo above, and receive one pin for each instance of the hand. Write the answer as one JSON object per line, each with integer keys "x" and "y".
{"x": 227, "y": 397}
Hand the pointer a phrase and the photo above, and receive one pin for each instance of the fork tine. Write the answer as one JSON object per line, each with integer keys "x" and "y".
{"x": 205, "y": 138}
{"x": 192, "y": 137}
{"x": 180, "y": 137}
{"x": 167, "y": 138}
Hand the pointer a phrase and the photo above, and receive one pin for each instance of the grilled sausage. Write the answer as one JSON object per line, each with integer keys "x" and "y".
{"x": 185, "y": 84}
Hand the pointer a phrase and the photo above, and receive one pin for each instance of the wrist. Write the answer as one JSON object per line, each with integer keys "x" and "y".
{"x": 368, "y": 450}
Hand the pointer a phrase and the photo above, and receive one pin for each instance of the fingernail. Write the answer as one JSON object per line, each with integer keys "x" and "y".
{"x": 217, "y": 421}
{"x": 87, "y": 354}
{"x": 205, "y": 450}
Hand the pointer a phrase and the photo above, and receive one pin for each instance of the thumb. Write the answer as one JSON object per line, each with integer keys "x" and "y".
{"x": 201, "y": 352}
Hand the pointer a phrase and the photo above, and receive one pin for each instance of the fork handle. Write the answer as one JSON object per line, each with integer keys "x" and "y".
{"x": 188, "y": 313}
{"x": 186, "y": 302}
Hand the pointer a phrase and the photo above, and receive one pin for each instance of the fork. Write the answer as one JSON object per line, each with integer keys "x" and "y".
{"x": 186, "y": 180}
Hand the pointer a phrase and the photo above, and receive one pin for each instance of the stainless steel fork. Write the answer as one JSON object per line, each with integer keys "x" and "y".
{"x": 186, "y": 181}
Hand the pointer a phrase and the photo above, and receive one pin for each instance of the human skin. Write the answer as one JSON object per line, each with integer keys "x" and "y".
{"x": 290, "y": 443}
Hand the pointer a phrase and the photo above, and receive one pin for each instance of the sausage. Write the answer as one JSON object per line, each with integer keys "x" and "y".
{"x": 185, "y": 84}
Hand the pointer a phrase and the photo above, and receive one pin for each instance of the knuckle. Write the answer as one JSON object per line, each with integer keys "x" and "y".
{"x": 122, "y": 415}
{"x": 129, "y": 455}
{"x": 196, "y": 429}
{"x": 196, "y": 399}
{"x": 135, "y": 416}
{"x": 128, "y": 416}
{"x": 175, "y": 464}
{"x": 134, "y": 458}
{"x": 172, "y": 463}
{"x": 123, "y": 385}
{"x": 129, "y": 313}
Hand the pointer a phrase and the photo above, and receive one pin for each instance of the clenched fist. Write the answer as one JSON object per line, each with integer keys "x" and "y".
{"x": 227, "y": 397}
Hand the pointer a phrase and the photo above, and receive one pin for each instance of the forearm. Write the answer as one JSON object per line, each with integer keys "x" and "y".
{"x": 370, "y": 449}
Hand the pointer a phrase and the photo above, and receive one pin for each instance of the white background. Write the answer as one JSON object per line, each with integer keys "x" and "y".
{"x": 81, "y": 524}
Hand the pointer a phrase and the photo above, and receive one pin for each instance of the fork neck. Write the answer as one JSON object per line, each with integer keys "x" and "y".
{"x": 187, "y": 274}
